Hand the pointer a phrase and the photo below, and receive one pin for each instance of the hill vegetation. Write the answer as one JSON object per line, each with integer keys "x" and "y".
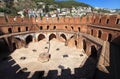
{"x": 12, "y": 7}
{"x": 63, "y": 4}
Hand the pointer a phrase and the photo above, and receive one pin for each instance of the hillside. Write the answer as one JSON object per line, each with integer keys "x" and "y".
{"x": 13, "y": 6}
{"x": 63, "y": 4}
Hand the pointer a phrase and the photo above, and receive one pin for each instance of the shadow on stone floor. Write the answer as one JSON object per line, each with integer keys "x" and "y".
{"x": 9, "y": 69}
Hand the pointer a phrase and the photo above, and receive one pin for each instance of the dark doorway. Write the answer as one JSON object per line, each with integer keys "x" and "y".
{"x": 41, "y": 37}
{"x": 75, "y": 43}
{"x": 84, "y": 45}
{"x": 47, "y": 27}
{"x": 99, "y": 34}
{"x": 109, "y": 37}
{"x": 93, "y": 52}
{"x": 29, "y": 39}
{"x": 52, "y": 36}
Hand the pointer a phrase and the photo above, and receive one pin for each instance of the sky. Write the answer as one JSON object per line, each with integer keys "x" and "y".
{"x": 112, "y": 4}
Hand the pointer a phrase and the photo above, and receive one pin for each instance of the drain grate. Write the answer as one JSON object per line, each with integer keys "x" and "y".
{"x": 22, "y": 58}
{"x": 81, "y": 55}
{"x": 34, "y": 50}
{"x": 57, "y": 49}
{"x": 61, "y": 67}
{"x": 46, "y": 47}
{"x": 64, "y": 56}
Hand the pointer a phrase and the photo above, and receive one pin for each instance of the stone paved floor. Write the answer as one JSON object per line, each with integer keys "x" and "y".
{"x": 60, "y": 66}
{"x": 56, "y": 62}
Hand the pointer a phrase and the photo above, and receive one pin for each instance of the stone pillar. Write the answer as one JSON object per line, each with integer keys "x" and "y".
{"x": 34, "y": 38}
{"x": 88, "y": 50}
{"x": 66, "y": 43}
{"x": 80, "y": 43}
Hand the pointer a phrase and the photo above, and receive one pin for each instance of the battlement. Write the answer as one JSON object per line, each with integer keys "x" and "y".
{"x": 45, "y": 20}
{"x": 107, "y": 20}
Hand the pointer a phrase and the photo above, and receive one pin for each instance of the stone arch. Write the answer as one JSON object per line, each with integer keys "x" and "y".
{"x": 109, "y": 37}
{"x": 52, "y": 36}
{"x": 9, "y": 30}
{"x": 84, "y": 45}
{"x": 41, "y": 37}
{"x": 19, "y": 29}
{"x": 29, "y": 39}
{"x": 41, "y": 27}
{"x": 79, "y": 29}
{"x": 93, "y": 52}
{"x": 63, "y": 36}
{"x": 99, "y": 33}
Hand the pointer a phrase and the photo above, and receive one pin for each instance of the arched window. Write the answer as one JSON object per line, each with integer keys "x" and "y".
{"x": 99, "y": 34}
{"x": 54, "y": 27}
{"x": 47, "y": 27}
{"x": 19, "y": 29}
{"x": 91, "y": 31}
{"x": 79, "y": 29}
{"x": 26, "y": 28}
{"x": 72, "y": 28}
{"x": 107, "y": 21}
{"x": 100, "y": 21}
{"x": 9, "y": 30}
{"x": 41, "y": 27}
{"x": 65, "y": 27}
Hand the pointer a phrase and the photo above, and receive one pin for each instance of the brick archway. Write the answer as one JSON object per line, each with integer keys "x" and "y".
{"x": 41, "y": 37}
{"x": 29, "y": 39}
{"x": 52, "y": 36}
{"x": 64, "y": 37}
